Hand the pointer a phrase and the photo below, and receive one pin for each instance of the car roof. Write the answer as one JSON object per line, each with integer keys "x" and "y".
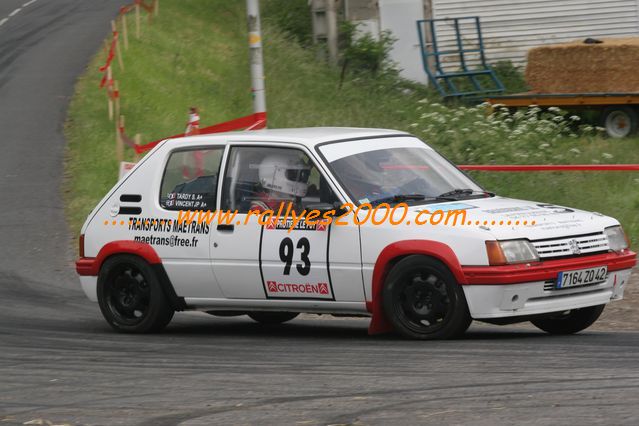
{"x": 309, "y": 136}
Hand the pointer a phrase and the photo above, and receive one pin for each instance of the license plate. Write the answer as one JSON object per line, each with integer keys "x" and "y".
{"x": 582, "y": 277}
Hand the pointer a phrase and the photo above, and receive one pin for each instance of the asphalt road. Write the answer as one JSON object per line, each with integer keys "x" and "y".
{"x": 60, "y": 363}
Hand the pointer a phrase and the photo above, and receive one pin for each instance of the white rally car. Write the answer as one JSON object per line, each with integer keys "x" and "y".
{"x": 507, "y": 261}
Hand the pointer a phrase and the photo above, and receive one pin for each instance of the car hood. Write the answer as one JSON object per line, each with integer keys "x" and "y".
{"x": 550, "y": 220}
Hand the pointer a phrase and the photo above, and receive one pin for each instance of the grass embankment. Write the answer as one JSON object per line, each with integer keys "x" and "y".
{"x": 195, "y": 53}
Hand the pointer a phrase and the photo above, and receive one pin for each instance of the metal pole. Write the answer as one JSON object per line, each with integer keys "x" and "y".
{"x": 255, "y": 56}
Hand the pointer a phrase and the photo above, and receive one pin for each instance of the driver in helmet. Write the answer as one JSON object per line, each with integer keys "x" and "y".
{"x": 283, "y": 179}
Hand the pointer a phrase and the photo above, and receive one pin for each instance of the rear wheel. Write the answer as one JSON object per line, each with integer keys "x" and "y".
{"x": 131, "y": 297}
{"x": 619, "y": 122}
{"x": 569, "y": 322}
{"x": 272, "y": 317}
{"x": 422, "y": 300}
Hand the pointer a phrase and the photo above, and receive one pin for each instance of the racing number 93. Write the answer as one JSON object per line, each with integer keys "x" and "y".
{"x": 295, "y": 265}
{"x": 286, "y": 255}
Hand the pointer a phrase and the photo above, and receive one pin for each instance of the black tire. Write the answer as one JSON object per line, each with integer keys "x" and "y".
{"x": 569, "y": 322}
{"x": 422, "y": 300}
{"x": 272, "y": 317}
{"x": 131, "y": 297}
{"x": 619, "y": 121}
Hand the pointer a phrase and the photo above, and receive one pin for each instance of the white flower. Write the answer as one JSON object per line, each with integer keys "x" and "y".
{"x": 575, "y": 150}
{"x": 413, "y": 125}
{"x": 575, "y": 118}
{"x": 607, "y": 156}
{"x": 544, "y": 145}
{"x": 554, "y": 109}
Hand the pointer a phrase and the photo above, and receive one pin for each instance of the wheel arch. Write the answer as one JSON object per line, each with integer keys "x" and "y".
{"x": 148, "y": 254}
{"x": 388, "y": 257}
{"x": 136, "y": 248}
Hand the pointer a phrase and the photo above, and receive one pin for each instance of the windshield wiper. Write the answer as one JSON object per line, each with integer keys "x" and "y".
{"x": 398, "y": 198}
{"x": 465, "y": 191}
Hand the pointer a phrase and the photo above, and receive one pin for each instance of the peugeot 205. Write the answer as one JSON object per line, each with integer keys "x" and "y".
{"x": 398, "y": 233}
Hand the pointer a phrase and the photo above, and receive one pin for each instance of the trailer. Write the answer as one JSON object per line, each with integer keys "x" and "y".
{"x": 618, "y": 111}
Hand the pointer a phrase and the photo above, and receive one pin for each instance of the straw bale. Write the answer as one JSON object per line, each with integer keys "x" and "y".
{"x": 576, "y": 67}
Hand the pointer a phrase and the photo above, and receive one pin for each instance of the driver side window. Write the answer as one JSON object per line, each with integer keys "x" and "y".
{"x": 261, "y": 178}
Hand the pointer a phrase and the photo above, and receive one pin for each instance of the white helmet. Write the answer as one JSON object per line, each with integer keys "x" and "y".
{"x": 284, "y": 173}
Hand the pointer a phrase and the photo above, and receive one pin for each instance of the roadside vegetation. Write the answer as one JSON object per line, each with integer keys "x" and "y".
{"x": 195, "y": 53}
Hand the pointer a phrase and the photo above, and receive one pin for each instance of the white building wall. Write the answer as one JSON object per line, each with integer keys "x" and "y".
{"x": 400, "y": 17}
{"x": 511, "y": 27}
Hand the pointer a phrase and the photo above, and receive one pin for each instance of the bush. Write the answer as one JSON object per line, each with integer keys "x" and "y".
{"x": 511, "y": 76}
{"x": 364, "y": 53}
{"x": 471, "y": 135}
{"x": 293, "y": 17}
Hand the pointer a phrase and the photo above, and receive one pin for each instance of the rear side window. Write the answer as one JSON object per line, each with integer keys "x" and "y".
{"x": 190, "y": 179}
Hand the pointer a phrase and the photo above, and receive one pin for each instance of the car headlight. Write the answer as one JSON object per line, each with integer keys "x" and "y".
{"x": 617, "y": 240}
{"x": 510, "y": 251}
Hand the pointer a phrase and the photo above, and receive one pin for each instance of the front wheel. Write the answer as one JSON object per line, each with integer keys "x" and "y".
{"x": 422, "y": 300}
{"x": 569, "y": 322}
{"x": 131, "y": 297}
{"x": 272, "y": 317}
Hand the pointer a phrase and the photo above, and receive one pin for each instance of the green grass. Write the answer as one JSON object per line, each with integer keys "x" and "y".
{"x": 196, "y": 53}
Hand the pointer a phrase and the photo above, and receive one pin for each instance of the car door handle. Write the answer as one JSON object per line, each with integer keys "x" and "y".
{"x": 226, "y": 228}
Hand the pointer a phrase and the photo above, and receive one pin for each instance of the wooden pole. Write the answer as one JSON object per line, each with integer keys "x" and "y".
{"x": 119, "y": 145}
{"x": 137, "y": 20}
{"x": 116, "y": 97}
{"x": 118, "y": 51}
{"x": 156, "y": 7}
{"x": 110, "y": 101}
{"x": 138, "y": 142}
{"x": 125, "y": 32}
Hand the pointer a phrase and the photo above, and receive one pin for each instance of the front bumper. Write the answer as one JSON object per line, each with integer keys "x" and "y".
{"x": 498, "y": 301}
{"x": 528, "y": 289}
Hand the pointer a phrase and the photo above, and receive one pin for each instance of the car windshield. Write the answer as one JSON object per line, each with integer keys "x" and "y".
{"x": 397, "y": 169}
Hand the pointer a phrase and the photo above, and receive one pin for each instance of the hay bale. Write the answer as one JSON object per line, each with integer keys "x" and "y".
{"x": 576, "y": 67}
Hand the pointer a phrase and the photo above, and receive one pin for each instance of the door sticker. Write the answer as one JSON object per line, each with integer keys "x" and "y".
{"x": 294, "y": 265}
